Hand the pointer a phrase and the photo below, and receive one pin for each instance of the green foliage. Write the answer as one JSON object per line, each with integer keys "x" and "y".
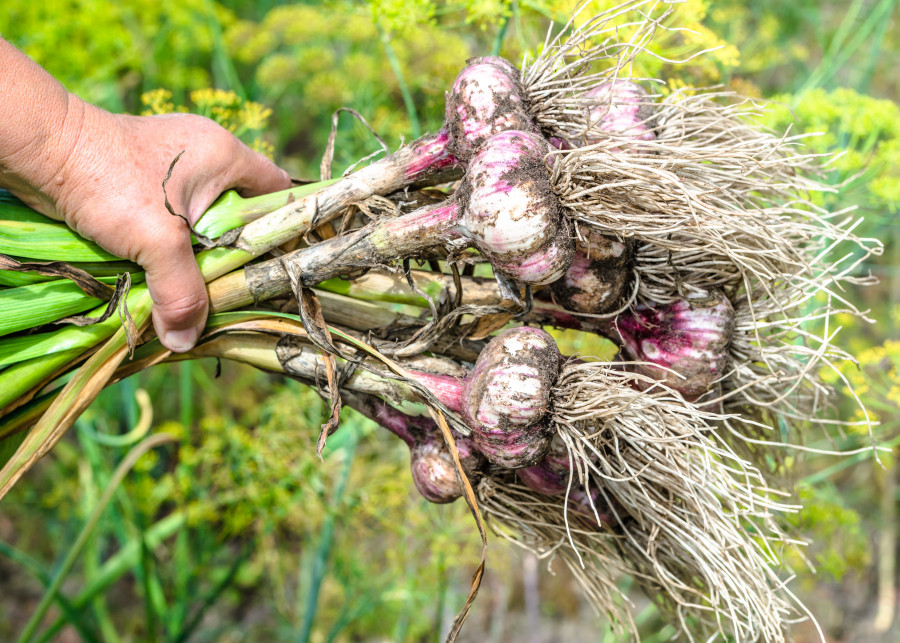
{"x": 785, "y": 45}
{"x": 840, "y": 543}
{"x": 252, "y": 499}
{"x": 109, "y": 53}
{"x": 307, "y": 63}
{"x": 865, "y": 130}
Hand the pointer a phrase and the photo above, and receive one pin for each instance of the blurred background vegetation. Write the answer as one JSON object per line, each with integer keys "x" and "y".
{"x": 236, "y": 531}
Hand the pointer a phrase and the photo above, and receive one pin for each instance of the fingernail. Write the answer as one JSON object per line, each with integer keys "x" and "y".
{"x": 180, "y": 340}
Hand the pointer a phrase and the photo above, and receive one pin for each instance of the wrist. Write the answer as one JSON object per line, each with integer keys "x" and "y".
{"x": 41, "y": 162}
{"x": 42, "y": 130}
{"x": 34, "y": 111}
{"x": 66, "y": 145}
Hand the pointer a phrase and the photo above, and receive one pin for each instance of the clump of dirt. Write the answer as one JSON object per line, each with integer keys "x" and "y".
{"x": 598, "y": 277}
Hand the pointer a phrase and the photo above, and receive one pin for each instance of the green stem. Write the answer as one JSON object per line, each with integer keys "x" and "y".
{"x": 186, "y": 394}
{"x": 231, "y": 210}
{"x": 501, "y": 34}
{"x": 20, "y": 227}
{"x": 411, "y": 111}
{"x": 18, "y": 349}
{"x": 222, "y": 61}
{"x": 42, "y": 303}
{"x": 326, "y": 542}
{"x": 118, "y": 565}
{"x": 24, "y": 376}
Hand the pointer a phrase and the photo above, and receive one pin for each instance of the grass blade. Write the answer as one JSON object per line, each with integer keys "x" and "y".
{"x": 326, "y": 541}
{"x": 37, "y": 570}
{"x": 121, "y": 471}
{"x": 118, "y": 565}
{"x": 213, "y": 595}
{"x": 840, "y": 51}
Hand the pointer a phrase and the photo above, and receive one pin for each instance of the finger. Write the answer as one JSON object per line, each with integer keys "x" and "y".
{"x": 250, "y": 173}
{"x": 257, "y": 174}
{"x": 180, "y": 302}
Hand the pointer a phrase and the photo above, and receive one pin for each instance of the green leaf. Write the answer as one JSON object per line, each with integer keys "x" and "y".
{"x": 39, "y": 304}
{"x": 94, "y": 268}
{"x": 47, "y": 241}
{"x": 18, "y": 349}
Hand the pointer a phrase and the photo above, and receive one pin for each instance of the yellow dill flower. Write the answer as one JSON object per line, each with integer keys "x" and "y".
{"x": 229, "y": 110}
{"x": 893, "y": 394}
{"x": 402, "y": 16}
{"x": 487, "y": 13}
{"x": 693, "y": 11}
{"x": 745, "y": 87}
{"x": 157, "y": 101}
{"x": 873, "y": 356}
{"x": 223, "y": 116}
{"x": 892, "y": 348}
{"x": 253, "y": 116}
{"x": 674, "y": 85}
{"x": 864, "y": 420}
{"x": 703, "y": 37}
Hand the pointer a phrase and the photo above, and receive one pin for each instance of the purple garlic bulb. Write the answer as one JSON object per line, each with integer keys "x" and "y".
{"x": 511, "y": 211}
{"x": 434, "y": 472}
{"x": 541, "y": 480}
{"x": 621, "y": 108}
{"x": 507, "y": 395}
{"x": 596, "y": 280}
{"x": 550, "y": 476}
{"x": 486, "y": 98}
{"x": 683, "y": 344}
{"x": 432, "y": 466}
{"x": 505, "y": 207}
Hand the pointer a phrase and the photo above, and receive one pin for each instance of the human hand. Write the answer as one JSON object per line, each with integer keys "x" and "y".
{"x": 108, "y": 187}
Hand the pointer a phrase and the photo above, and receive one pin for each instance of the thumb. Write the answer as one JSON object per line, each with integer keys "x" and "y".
{"x": 180, "y": 302}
